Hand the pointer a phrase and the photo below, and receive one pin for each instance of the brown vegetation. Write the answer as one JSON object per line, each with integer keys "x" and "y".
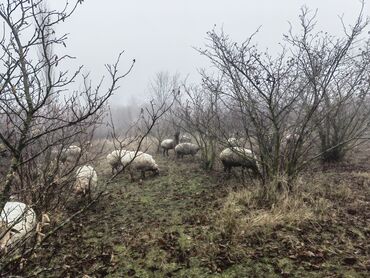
{"x": 298, "y": 114}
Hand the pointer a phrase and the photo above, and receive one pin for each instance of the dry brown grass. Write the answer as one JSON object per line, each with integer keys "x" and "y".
{"x": 243, "y": 214}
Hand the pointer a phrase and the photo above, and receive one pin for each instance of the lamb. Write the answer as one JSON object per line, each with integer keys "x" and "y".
{"x": 114, "y": 159}
{"x": 70, "y": 154}
{"x": 86, "y": 180}
{"x": 239, "y": 157}
{"x": 17, "y": 220}
{"x": 169, "y": 144}
{"x": 186, "y": 149}
{"x": 139, "y": 162}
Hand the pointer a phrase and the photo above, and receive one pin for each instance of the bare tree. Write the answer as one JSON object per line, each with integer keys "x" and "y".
{"x": 336, "y": 72}
{"x": 279, "y": 98}
{"x": 39, "y": 114}
{"x": 162, "y": 89}
{"x": 133, "y": 137}
{"x": 198, "y": 115}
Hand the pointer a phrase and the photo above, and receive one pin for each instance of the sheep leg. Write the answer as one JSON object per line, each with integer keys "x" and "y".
{"x": 143, "y": 174}
{"x": 132, "y": 176}
{"x": 89, "y": 191}
{"x": 228, "y": 171}
{"x": 226, "y": 167}
{"x": 243, "y": 174}
{"x": 117, "y": 168}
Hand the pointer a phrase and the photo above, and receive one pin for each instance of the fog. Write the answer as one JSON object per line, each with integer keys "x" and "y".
{"x": 161, "y": 35}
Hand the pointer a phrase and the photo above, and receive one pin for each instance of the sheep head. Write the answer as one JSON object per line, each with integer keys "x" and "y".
{"x": 156, "y": 170}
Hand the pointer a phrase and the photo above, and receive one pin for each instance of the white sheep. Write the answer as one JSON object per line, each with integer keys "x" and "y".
{"x": 128, "y": 157}
{"x": 114, "y": 159}
{"x": 169, "y": 144}
{"x": 17, "y": 220}
{"x": 70, "y": 154}
{"x": 86, "y": 180}
{"x": 239, "y": 157}
{"x": 139, "y": 162}
{"x": 186, "y": 149}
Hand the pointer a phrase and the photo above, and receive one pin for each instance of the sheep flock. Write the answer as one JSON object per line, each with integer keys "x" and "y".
{"x": 18, "y": 221}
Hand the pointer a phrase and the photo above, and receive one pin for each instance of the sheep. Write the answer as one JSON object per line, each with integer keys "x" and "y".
{"x": 239, "y": 157}
{"x": 185, "y": 139}
{"x": 139, "y": 162}
{"x": 128, "y": 157}
{"x": 114, "y": 159}
{"x": 186, "y": 149}
{"x": 17, "y": 220}
{"x": 169, "y": 144}
{"x": 86, "y": 180}
{"x": 70, "y": 154}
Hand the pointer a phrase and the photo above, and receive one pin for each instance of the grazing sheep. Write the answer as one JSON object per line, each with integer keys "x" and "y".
{"x": 128, "y": 157}
{"x": 238, "y": 157}
{"x": 141, "y": 162}
{"x": 186, "y": 149}
{"x": 185, "y": 139}
{"x": 169, "y": 144}
{"x": 86, "y": 180}
{"x": 17, "y": 220}
{"x": 114, "y": 159}
{"x": 70, "y": 154}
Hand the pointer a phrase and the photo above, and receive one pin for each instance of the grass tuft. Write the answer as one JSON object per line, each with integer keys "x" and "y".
{"x": 241, "y": 215}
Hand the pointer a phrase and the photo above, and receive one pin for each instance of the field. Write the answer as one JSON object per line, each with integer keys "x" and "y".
{"x": 190, "y": 223}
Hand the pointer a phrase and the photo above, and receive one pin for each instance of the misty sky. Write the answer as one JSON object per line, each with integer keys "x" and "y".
{"x": 160, "y": 34}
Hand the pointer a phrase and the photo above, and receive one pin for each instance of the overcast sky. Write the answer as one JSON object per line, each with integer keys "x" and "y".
{"x": 160, "y": 34}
